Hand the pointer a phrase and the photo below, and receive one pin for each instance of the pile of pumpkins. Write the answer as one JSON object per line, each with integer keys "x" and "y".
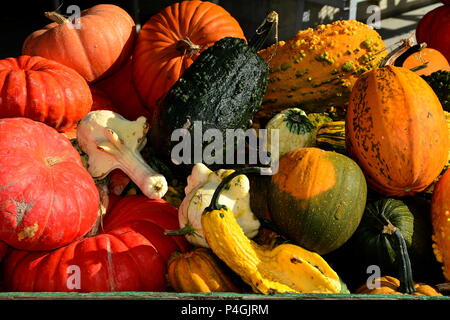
{"x": 90, "y": 199}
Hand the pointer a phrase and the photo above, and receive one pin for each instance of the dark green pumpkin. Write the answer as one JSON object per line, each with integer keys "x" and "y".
{"x": 316, "y": 198}
{"x": 222, "y": 90}
{"x": 372, "y": 238}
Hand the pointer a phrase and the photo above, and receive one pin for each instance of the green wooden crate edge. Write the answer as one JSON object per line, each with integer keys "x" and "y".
{"x": 200, "y": 296}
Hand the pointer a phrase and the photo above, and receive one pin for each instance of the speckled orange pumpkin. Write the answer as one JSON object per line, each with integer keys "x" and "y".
{"x": 396, "y": 131}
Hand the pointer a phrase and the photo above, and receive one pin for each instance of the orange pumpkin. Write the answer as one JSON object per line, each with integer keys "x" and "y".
{"x": 396, "y": 131}
{"x": 171, "y": 40}
{"x": 101, "y": 43}
{"x": 440, "y": 217}
{"x": 391, "y": 285}
{"x": 433, "y": 59}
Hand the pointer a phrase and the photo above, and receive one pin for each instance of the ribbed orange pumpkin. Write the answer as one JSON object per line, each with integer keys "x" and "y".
{"x": 396, "y": 131}
{"x": 43, "y": 90}
{"x": 440, "y": 218}
{"x": 172, "y": 39}
{"x": 101, "y": 44}
{"x": 199, "y": 271}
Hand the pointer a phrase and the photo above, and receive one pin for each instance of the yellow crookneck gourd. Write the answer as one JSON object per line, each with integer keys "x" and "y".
{"x": 286, "y": 268}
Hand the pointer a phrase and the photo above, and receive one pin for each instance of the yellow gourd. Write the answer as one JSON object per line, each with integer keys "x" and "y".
{"x": 286, "y": 268}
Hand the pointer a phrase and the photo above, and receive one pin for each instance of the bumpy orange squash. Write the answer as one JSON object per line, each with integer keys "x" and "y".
{"x": 396, "y": 131}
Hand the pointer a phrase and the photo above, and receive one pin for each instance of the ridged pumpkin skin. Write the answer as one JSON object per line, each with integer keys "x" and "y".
{"x": 317, "y": 67}
{"x": 162, "y": 51}
{"x": 317, "y": 198}
{"x": 440, "y": 218}
{"x": 199, "y": 271}
{"x": 47, "y": 198}
{"x": 396, "y": 131}
{"x": 123, "y": 94}
{"x": 130, "y": 254}
{"x": 42, "y": 90}
{"x": 100, "y": 46}
{"x": 434, "y": 30}
{"x": 390, "y": 285}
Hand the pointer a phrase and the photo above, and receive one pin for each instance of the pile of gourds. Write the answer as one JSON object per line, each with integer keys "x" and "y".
{"x": 90, "y": 199}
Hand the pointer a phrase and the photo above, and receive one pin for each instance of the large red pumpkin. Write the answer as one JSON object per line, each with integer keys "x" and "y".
{"x": 47, "y": 198}
{"x": 121, "y": 91}
{"x": 42, "y": 90}
{"x": 434, "y": 29}
{"x": 171, "y": 40}
{"x": 101, "y": 43}
{"x": 3, "y": 250}
{"x": 396, "y": 131}
{"x": 130, "y": 254}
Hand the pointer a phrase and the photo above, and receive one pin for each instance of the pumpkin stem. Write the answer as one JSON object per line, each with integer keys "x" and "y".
{"x": 214, "y": 201}
{"x": 405, "y": 271}
{"x": 187, "y": 47}
{"x": 187, "y": 229}
{"x": 56, "y": 17}
{"x": 262, "y": 32}
{"x": 394, "y": 55}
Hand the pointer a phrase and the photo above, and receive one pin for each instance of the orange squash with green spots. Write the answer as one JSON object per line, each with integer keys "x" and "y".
{"x": 396, "y": 131}
{"x": 316, "y": 198}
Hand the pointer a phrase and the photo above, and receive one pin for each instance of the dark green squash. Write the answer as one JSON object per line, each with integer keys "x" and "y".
{"x": 222, "y": 89}
{"x": 331, "y": 136}
{"x": 316, "y": 199}
{"x": 373, "y": 242}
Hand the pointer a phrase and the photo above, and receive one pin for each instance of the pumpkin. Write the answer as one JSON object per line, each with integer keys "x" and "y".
{"x": 432, "y": 58}
{"x": 100, "y": 101}
{"x": 223, "y": 100}
{"x": 316, "y": 198}
{"x": 316, "y": 68}
{"x": 199, "y": 271}
{"x": 121, "y": 91}
{"x": 42, "y": 90}
{"x": 47, "y": 198}
{"x": 440, "y": 208}
{"x": 381, "y": 218}
{"x": 394, "y": 123}
{"x": 331, "y": 136}
{"x": 390, "y": 285}
{"x": 171, "y": 40}
{"x": 130, "y": 254}
{"x": 3, "y": 250}
{"x": 294, "y": 129}
{"x": 439, "y": 81}
{"x": 287, "y": 268}
{"x": 101, "y": 43}
{"x": 433, "y": 29}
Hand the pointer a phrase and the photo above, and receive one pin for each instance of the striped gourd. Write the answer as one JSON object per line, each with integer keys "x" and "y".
{"x": 331, "y": 136}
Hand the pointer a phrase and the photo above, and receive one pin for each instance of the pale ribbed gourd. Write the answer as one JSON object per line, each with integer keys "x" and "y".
{"x": 318, "y": 67}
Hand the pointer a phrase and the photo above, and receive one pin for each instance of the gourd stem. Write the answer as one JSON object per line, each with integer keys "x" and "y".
{"x": 263, "y": 31}
{"x": 405, "y": 271}
{"x": 214, "y": 205}
{"x": 187, "y": 229}
{"x": 56, "y": 17}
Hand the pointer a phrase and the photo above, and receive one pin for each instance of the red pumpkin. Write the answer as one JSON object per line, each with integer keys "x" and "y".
{"x": 130, "y": 254}
{"x": 123, "y": 94}
{"x": 3, "y": 250}
{"x": 100, "y": 45}
{"x": 171, "y": 40}
{"x": 42, "y": 90}
{"x": 47, "y": 198}
{"x": 434, "y": 30}
{"x": 100, "y": 101}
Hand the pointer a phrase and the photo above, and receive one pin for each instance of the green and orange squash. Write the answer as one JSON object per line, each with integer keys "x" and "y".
{"x": 316, "y": 198}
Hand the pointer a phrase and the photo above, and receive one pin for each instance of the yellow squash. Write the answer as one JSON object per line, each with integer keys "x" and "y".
{"x": 286, "y": 268}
